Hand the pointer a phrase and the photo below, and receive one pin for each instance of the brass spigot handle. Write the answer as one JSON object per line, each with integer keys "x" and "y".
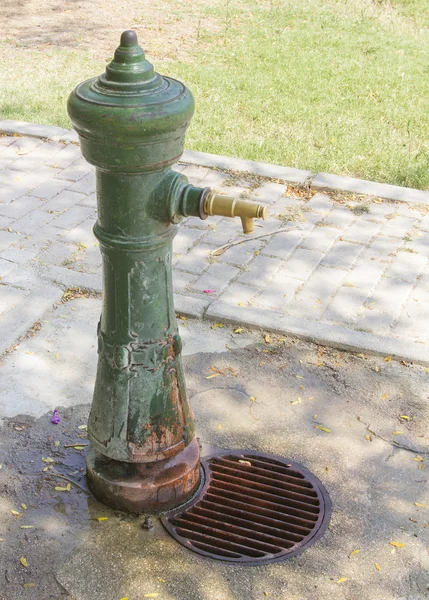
{"x": 228, "y": 206}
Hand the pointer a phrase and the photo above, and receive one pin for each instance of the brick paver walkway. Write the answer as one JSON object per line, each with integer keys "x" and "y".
{"x": 352, "y": 271}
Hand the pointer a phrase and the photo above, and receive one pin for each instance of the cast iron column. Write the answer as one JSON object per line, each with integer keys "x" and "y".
{"x": 131, "y": 124}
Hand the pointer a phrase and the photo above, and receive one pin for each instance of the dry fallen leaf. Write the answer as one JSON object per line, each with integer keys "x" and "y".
{"x": 322, "y": 428}
{"x": 252, "y": 399}
{"x": 218, "y": 371}
{"x": 232, "y": 371}
{"x": 61, "y": 489}
{"x": 342, "y": 579}
{"x": 397, "y": 433}
{"x": 161, "y": 579}
{"x": 152, "y": 595}
{"x": 47, "y": 459}
{"x": 24, "y": 506}
{"x": 397, "y": 544}
{"x": 297, "y": 401}
{"x": 384, "y": 396}
{"x": 420, "y": 505}
{"x": 15, "y": 512}
{"x": 388, "y": 359}
{"x": 213, "y": 375}
{"x": 238, "y": 330}
{"x": 85, "y": 427}
{"x": 99, "y": 519}
{"x": 218, "y": 326}
{"x": 377, "y": 566}
{"x": 267, "y": 338}
{"x": 404, "y": 417}
{"x": 355, "y": 552}
{"x": 23, "y": 561}
{"x": 219, "y": 426}
{"x": 29, "y": 585}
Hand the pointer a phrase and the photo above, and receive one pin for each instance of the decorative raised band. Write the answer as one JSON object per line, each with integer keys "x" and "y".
{"x": 137, "y": 243}
{"x": 151, "y": 356}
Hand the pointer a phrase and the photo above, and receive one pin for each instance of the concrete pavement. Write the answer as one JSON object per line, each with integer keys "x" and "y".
{"x": 270, "y": 395}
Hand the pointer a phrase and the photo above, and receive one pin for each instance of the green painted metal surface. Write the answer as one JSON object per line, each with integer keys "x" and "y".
{"x": 131, "y": 123}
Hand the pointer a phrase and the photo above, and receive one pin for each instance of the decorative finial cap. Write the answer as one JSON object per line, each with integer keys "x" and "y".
{"x": 129, "y": 38}
{"x": 129, "y": 69}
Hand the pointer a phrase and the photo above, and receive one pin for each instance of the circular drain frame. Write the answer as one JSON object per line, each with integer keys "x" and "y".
{"x": 253, "y": 508}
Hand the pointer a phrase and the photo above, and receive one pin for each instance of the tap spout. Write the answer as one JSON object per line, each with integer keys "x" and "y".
{"x": 228, "y": 206}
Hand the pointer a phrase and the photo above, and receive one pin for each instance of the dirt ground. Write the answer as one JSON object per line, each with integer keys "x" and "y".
{"x": 272, "y": 395}
{"x": 167, "y": 29}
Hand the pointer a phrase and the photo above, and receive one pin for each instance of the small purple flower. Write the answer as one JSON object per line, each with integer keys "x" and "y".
{"x": 56, "y": 417}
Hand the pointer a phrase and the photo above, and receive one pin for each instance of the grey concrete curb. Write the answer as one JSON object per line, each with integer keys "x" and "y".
{"x": 319, "y": 333}
{"x": 18, "y": 321}
{"x": 325, "y": 181}
{"x": 316, "y": 181}
{"x": 245, "y": 166}
{"x": 66, "y": 278}
{"x": 48, "y": 132}
{"x": 190, "y": 307}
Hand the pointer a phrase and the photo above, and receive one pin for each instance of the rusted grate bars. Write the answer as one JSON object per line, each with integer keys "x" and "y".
{"x": 253, "y": 508}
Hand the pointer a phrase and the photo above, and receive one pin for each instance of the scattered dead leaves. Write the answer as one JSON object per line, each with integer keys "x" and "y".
{"x": 75, "y": 292}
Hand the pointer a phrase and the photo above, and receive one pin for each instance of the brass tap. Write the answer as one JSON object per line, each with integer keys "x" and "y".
{"x": 228, "y": 206}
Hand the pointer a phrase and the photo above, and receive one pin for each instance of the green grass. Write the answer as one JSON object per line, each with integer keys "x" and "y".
{"x": 326, "y": 85}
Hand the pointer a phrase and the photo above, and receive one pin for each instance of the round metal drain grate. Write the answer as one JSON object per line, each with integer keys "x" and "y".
{"x": 253, "y": 508}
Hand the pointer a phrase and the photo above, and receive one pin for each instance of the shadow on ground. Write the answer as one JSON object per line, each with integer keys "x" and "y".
{"x": 268, "y": 397}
